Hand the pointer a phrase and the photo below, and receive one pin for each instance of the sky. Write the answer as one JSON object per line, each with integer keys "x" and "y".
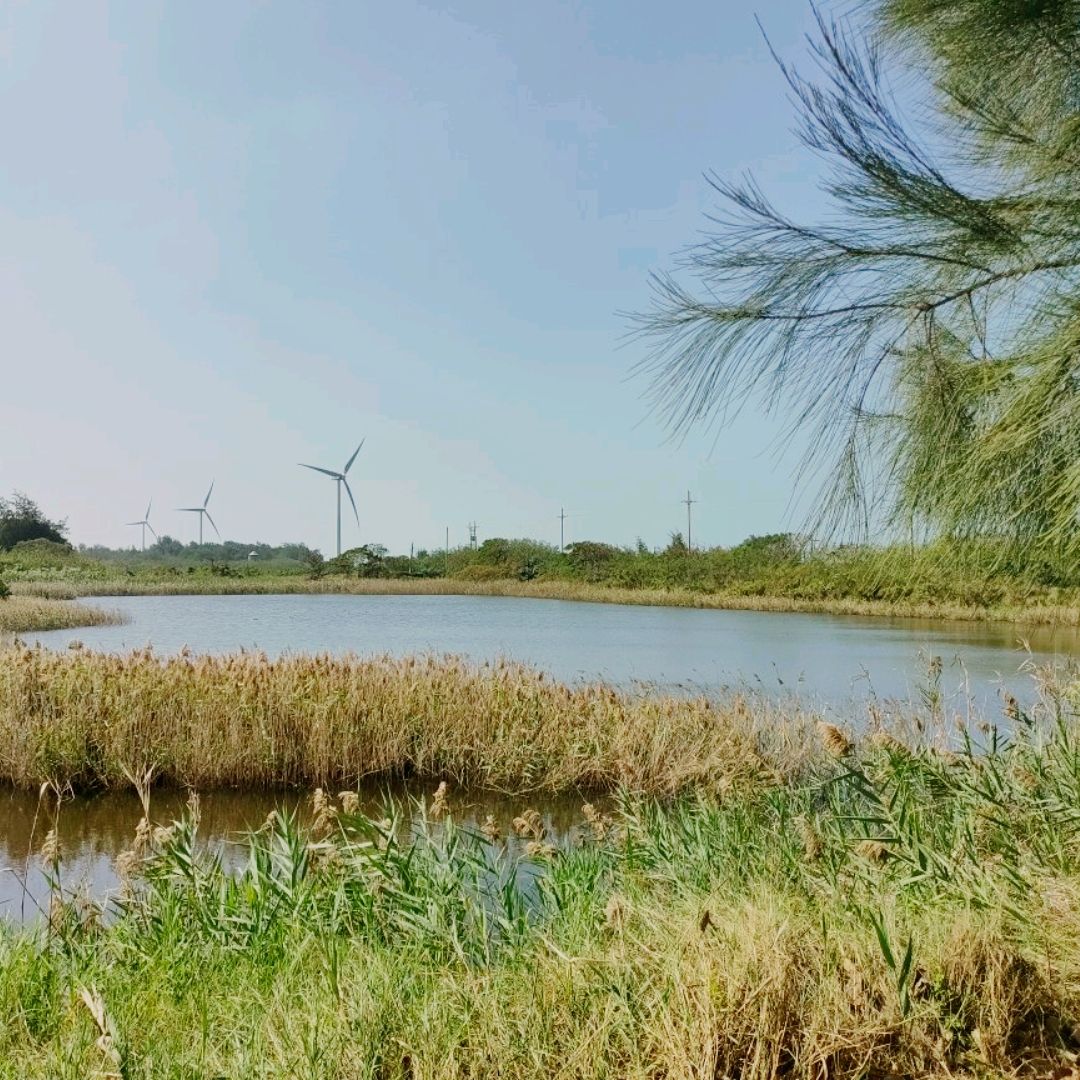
{"x": 241, "y": 236}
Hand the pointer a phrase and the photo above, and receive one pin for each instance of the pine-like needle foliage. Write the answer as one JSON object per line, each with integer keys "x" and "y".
{"x": 927, "y": 333}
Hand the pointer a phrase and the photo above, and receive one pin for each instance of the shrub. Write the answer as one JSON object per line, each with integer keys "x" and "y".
{"x": 21, "y": 519}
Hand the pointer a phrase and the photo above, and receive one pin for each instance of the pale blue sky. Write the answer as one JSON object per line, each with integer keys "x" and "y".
{"x": 241, "y": 235}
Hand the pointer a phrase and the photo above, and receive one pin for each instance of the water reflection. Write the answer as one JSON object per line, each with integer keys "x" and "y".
{"x": 93, "y": 831}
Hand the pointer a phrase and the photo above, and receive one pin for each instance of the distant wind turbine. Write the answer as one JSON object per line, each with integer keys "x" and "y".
{"x": 339, "y": 479}
{"x": 202, "y": 512}
{"x": 145, "y": 523}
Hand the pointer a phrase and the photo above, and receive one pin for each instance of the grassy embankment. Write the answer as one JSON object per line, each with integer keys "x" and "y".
{"x": 1064, "y": 611}
{"x": 1053, "y": 607}
{"x": 769, "y": 574}
{"x": 884, "y": 909}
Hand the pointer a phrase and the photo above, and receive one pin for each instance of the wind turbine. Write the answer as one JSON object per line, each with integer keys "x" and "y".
{"x": 202, "y": 512}
{"x": 339, "y": 479}
{"x": 145, "y": 523}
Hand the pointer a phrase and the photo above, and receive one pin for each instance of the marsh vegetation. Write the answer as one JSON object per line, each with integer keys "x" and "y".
{"x": 87, "y": 719}
{"x": 22, "y": 614}
{"x": 879, "y": 907}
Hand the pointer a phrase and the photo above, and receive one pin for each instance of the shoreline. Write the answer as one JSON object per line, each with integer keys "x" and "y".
{"x": 1039, "y": 613}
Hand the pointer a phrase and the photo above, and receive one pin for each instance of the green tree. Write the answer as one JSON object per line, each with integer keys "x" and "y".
{"x": 925, "y": 334}
{"x": 21, "y": 519}
{"x": 676, "y": 545}
{"x": 366, "y": 561}
{"x": 166, "y": 545}
{"x": 590, "y": 558}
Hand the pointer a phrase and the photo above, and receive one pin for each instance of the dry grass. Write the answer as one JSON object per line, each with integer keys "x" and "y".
{"x": 208, "y": 721}
{"x": 1034, "y": 613}
{"x": 27, "y": 614}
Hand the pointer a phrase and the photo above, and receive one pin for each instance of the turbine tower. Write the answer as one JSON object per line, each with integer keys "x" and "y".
{"x": 340, "y": 481}
{"x": 202, "y": 512}
{"x": 145, "y": 523}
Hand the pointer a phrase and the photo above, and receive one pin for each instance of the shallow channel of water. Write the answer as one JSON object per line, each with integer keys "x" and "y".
{"x": 93, "y": 830}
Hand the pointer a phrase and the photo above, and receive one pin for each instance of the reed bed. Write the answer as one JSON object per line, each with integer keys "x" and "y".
{"x": 92, "y": 719}
{"x": 1037, "y": 611}
{"x": 21, "y": 614}
{"x": 892, "y": 910}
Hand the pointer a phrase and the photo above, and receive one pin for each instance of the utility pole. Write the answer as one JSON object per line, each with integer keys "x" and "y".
{"x": 472, "y": 535}
{"x": 689, "y": 502}
{"x": 446, "y": 563}
{"x": 562, "y": 529}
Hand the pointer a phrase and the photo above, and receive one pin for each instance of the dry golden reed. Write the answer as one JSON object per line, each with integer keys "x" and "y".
{"x": 91, "y": 719}
{"x": 834, "y": 740}
{"x": 28, "y": 614}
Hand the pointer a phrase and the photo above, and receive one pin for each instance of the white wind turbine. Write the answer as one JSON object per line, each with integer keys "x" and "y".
{"x": 145, "y": 523}
{"x": 339, "y": 480}
{"x": 202, "y": 512}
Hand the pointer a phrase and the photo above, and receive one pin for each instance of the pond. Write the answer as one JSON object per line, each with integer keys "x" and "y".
{"x": 834, "y": 660}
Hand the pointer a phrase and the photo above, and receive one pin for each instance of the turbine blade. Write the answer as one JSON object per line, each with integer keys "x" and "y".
{"x": 211, "y": 520}
{"x": 348, "y": 464}
{"x": 150, "y": 527}
{"x": 209, "y": 493}
{"x": 190, "y": 509}
{"x": 348, "y": 491}
{"x": 317, "y": 469}
{"x": 132, "y": 522}
{"x": 146, "y": 516}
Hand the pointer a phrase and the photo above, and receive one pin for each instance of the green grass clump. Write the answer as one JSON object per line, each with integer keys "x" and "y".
{"x": 893, "y": 910}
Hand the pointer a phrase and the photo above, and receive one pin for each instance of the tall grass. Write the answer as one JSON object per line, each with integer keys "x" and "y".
{"x": 205, "y": 721}
{"x": 893, "y": 910}
{"x": 27, "y": 614}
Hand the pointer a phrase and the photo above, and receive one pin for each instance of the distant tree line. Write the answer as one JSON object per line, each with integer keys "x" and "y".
{"x": 168, "y": 551}
{"x": 970, "y": 571}
{"x": 500, "y": 559}
{"x": 22, "y": 520}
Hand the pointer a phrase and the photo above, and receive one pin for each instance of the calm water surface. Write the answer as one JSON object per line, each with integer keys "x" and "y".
{"x": 836, "y": 660}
